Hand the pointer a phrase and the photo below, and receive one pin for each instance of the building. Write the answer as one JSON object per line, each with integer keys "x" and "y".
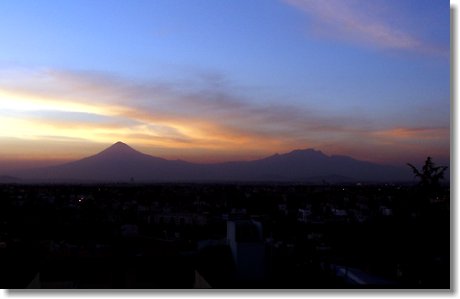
{"x": 245, "y": 240}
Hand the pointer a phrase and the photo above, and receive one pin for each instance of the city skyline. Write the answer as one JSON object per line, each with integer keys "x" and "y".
{"x": 217, "y": 81}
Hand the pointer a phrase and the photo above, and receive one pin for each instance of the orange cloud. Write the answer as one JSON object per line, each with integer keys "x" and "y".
{"x": 164, "y": 118}
{"x": 414, "y": 133}
{"x": 396, "y": 145}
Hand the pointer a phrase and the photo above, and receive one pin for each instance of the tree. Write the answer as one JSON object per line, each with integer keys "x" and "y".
{"x": 430, "y": 174}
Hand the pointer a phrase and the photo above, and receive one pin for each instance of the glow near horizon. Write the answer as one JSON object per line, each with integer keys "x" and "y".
{"x": 343, "y": 79}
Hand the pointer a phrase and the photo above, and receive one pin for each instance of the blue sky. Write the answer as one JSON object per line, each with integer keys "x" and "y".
{"x": 223, "y": 80}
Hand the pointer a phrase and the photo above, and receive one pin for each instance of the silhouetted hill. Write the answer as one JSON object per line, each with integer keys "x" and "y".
{"x": 310, "y": 165}
{"x": 9, "y": 179}
{"x": 121, "y": 163}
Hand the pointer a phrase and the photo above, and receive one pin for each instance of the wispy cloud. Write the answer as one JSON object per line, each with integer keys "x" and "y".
{"x": 178, "y": 122}
{"x": 421, "y": 133}
{"x": 397, "y": 145}
{"x": 164, "y": 107}
{"x": 361, "y": 22}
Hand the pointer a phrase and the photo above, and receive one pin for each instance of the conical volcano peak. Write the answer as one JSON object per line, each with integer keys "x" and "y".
{"x": 120, "y": 144}
{"x": 119, "y": 148}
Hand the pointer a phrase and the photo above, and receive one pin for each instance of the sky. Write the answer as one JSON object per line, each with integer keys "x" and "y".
{"x": 211, "y": 81}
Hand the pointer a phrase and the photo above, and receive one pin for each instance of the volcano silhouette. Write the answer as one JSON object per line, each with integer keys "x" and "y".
{"x": 122, "y": 163}
{"x": 119, "y": 150}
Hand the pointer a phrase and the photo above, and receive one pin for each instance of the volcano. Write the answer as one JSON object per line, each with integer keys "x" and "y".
{"x": 122, "y": 163}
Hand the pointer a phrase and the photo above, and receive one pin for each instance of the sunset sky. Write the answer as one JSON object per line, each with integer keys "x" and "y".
{"x": 210, "y": 81}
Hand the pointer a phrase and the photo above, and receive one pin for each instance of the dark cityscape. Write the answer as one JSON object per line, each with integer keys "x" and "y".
{"x": 294, "y": 236}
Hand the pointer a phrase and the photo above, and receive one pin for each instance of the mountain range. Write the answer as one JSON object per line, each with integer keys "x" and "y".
{"x": 121, "y": 163}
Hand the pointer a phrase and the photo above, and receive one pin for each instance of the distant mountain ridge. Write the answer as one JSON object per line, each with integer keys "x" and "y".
{"x": 122, "y": 163}
{"x": 8, "y": 179}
